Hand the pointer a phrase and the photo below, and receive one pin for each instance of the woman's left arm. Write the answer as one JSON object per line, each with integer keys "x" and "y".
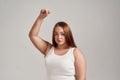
{"x": 80, "y": 65}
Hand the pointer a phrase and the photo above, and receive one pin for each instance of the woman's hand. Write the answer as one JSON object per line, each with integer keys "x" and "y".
{"x": 44, "y": 13}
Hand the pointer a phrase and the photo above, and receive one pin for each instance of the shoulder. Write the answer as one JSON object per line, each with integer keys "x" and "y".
{"x": 78, "y": 54}
{"x": 77, "y": 51}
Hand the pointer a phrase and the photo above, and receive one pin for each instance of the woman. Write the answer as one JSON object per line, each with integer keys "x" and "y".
{"x": 64, "y": 61}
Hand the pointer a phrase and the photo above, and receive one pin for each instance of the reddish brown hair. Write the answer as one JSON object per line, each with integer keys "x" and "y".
{"x": 68, "y": 34}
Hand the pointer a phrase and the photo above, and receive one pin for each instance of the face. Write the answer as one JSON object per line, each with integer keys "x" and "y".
{"x": 59, "y": 36}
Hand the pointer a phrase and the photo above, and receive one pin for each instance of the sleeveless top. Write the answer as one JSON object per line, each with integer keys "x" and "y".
{"x": 60, "y": 67}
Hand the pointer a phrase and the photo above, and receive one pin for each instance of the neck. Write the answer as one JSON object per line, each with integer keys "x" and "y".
{"x": 62, "y": 46}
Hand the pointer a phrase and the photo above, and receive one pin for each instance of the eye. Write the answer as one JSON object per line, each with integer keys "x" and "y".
{"x": 62, "y": 34}
{"x": 55, "y": 34}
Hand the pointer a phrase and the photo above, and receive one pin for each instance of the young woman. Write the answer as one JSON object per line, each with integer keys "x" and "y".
{"x": 64, "y": 61}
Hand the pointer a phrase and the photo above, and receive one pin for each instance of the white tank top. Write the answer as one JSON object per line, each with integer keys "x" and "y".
{"x": 60, "y": 67}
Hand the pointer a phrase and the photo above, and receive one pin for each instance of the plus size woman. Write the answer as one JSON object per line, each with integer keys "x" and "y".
{"x": 64, "y": 61}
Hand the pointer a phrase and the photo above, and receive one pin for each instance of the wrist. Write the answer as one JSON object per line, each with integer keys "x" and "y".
{"x": 40, "y": 18}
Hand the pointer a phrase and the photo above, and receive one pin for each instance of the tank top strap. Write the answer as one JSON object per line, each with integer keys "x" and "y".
{"x": 72, "y": 53}
{"x": 72, "y": 49}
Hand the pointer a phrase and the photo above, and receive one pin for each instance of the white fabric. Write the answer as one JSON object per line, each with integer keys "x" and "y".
{"x": 60, "y": 67}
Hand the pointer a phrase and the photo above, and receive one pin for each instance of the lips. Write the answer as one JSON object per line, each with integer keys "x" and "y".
{"x": 59, "y": 40}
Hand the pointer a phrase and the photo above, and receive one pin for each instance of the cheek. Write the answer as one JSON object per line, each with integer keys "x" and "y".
{"x": 64, "y": 39}
{"x": 55, "y": 38}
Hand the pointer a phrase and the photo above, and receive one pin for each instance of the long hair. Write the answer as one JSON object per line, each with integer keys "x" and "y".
{"x": 68, "y": 34}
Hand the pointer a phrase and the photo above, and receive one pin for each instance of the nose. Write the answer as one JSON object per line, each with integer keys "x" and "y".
{"x": 59, "y": 36}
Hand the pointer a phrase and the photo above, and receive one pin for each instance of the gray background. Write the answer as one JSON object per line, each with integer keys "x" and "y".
{"x": 95, "y": 25}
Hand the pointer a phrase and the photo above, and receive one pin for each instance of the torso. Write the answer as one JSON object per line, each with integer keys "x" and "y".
{"x": 60, "y": 64}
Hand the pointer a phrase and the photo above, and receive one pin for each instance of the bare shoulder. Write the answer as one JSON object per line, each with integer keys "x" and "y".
{"x": 79, "y": 55}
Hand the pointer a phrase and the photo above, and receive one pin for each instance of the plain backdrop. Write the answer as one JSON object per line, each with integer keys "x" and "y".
{"x": 95, "y": 25}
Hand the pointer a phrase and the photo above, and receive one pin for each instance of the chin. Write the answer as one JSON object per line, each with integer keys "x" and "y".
{"x": 61, "y": 44}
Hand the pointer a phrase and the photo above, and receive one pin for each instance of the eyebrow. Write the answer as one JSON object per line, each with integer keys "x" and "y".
{"x": 60, "y": 32}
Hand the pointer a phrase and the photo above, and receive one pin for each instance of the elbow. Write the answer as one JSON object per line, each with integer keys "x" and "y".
{"x": 32, "y": 36}
{"x": 29, "y": 35}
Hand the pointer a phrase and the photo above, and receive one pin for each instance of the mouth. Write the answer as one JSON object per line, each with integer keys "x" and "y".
{"x": 59, "y": 40}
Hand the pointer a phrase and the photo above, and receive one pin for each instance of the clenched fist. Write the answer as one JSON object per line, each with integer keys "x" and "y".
{"x": 44, "y": 13}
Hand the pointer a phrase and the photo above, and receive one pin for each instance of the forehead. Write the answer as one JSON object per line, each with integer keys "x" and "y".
{"x": 59, "y": 29}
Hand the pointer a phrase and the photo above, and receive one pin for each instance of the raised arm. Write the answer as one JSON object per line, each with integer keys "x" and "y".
{"x": 38, "y": 42}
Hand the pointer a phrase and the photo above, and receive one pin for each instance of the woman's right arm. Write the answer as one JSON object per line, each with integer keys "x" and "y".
{"x": 38, "y": 42}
